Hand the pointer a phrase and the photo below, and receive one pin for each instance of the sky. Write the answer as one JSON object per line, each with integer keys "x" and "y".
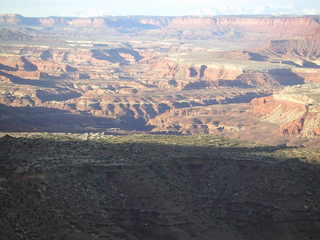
{"x": 89, "y": 8}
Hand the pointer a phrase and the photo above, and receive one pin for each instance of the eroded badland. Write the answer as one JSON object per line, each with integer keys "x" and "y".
{"x": 186, "y": 86}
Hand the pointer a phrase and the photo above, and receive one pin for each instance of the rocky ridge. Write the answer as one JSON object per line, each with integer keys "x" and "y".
{"x": 97, "y": 186}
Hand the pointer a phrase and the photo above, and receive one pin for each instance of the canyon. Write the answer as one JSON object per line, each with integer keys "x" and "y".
{"x": 151, "y": 127}
{"x": 222, "y": 78}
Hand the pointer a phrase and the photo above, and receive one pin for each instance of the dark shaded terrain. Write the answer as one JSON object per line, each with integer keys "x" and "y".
{"x": 175, "y": 75}
{"x": 9, "y": 35}
{"x": 95, "y": 186}
{"x": 23, "y": 81}
{"x": 35, "y": 119}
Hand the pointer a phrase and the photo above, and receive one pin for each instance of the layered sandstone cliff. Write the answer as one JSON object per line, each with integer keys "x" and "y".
{"x": 295, "y": 109}
{"x": 203, "y": 26}
{"x": 166, "y": 86}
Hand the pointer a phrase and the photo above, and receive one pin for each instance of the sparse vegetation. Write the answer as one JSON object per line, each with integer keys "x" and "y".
{"x": 97, "y": 186}
{"x": 84, "y": 103}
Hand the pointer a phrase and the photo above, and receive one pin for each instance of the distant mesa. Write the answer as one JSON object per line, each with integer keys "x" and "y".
{"x": 199, "y": 26}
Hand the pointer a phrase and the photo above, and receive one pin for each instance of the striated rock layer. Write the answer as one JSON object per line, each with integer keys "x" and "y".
{"x": 295, "y": 109}
{"x": 201, "y": 26}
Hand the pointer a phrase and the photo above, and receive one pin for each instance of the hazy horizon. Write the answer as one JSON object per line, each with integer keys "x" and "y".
{"x": 45, "y": 8}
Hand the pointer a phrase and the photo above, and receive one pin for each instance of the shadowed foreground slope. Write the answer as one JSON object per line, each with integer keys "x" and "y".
{"x": 95, "y": 186}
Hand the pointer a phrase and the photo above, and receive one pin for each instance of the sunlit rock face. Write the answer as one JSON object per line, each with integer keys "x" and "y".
{"x": 295, "y": 109}
{"x": 183, "y": 75}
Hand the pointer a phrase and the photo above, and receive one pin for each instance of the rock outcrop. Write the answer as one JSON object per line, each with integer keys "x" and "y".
{"x": 294, "y": 109}
{"x": 156, "y": 79}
